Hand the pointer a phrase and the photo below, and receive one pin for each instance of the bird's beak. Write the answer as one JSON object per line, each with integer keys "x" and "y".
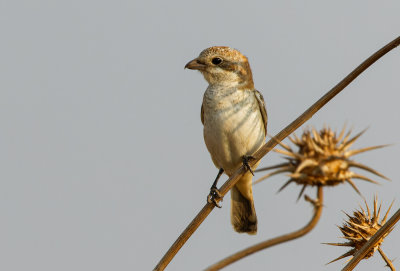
{"x": 195, "y": 64}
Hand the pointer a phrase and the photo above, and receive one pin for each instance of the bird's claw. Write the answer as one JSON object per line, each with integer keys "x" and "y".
{"x": 246, "y": 159}
{"x": 213, "y": 196}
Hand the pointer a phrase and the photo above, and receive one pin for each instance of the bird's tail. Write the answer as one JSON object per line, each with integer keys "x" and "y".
{"x": 243, "y": 214}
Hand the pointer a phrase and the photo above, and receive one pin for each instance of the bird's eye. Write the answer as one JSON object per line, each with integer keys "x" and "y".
{"x": 216, "y": 61}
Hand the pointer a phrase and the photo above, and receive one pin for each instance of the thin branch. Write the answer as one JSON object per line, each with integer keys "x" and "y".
{"x": 201, "y": 216}
{"x": 318, "y": 203}
{"x": 386, "y": 259}
{"x": 388, "y": 226}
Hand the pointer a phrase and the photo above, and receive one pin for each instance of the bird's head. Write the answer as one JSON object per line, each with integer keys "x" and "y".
{"x": 221, "y": 65}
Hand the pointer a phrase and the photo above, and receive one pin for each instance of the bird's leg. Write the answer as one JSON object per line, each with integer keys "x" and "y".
{"x": 214, "y": 192}
{"x": 246, "y": 159}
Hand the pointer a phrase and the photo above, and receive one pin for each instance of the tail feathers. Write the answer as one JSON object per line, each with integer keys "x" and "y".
{"x": 243, "y": 214}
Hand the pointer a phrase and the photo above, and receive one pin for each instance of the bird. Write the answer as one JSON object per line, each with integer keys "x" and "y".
{"x": 234, "y": 120}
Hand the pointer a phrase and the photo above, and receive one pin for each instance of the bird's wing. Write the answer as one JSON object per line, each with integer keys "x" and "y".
{"x": 261, "y": 105}
{"x": 202, "y": 114}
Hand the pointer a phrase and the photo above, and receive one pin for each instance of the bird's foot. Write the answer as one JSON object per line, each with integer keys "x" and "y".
{"x": 246, "y": 159}
{"x": 214, "y": 196}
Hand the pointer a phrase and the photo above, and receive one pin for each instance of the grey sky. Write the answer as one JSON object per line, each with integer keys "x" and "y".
{"x": 102, "y": 159}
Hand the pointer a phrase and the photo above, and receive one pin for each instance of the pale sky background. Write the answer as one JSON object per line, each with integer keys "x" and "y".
{"x": 102, "y": 159}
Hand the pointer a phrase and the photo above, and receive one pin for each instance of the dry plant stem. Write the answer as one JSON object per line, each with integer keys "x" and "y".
{"x": 201, "y": 216}
{"x": 388, "y": 262}
{"x": 372, "y": 242}
{"x": 277, "y": 240}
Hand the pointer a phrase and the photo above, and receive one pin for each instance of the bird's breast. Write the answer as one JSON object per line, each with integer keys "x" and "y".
{"x": 233, "y": 126}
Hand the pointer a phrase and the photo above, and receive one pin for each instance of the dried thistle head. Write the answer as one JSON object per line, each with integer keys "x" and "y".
{"x": 359, "y": 228}
{"x": 322, "y": 159}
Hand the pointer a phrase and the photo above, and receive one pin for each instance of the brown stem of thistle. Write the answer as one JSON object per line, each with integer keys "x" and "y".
{"x": 386, "y": 259}
{"x": 201, "y": 216}
{"x": 372, "y": 242}
{"x": 277, "y": 240}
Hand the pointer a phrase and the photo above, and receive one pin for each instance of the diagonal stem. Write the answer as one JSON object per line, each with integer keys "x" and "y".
{"x": 277, "y": 240}
{"x": 201, "y": 216}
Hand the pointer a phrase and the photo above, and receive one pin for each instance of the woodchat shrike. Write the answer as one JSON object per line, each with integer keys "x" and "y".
{"x": 235, "y": 125}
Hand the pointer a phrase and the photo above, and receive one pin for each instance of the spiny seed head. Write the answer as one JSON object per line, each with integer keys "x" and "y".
{"x": 359, "y": 228}
{"x": 322, "y": 159}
